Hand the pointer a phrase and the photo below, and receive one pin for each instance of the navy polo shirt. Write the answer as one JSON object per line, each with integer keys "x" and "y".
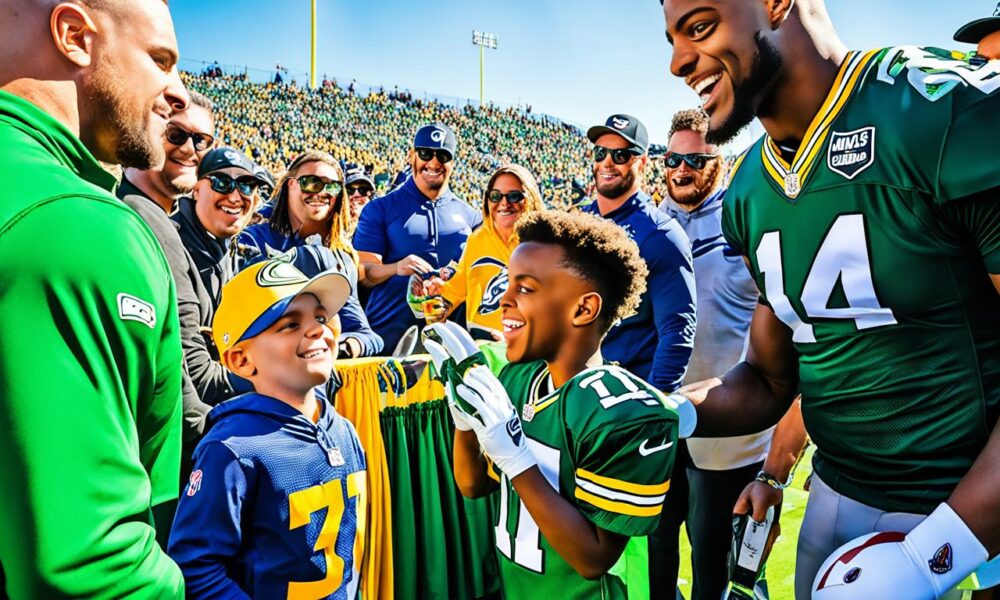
{"x": 405, "y": 222}
{"x": 655, "y": 343}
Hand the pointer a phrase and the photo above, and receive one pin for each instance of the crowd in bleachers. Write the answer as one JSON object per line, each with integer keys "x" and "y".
{"x": 274, "y": 122}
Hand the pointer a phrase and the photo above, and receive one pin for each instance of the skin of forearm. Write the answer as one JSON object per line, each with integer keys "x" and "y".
{"x": 741, "y": 403}
{"x": 376, "y": 273}
{"x": 787, "y": 444}
{"x": 590, "y": 550}
{"x": 470, "y": 466}
{"x": 975, "y": 497}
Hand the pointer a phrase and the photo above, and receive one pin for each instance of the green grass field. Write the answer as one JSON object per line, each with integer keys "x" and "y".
{"x": 781, "y": 564}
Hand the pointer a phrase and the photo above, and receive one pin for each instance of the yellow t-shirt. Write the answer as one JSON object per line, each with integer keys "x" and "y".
{"x": 481, "y": 278}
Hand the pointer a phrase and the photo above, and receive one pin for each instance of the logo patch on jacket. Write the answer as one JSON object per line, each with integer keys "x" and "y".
{"x": 194, "y": 483}
{"x": 852, "y": 152}
{"x": 941, "y": 562}
{"x": 131, "y": 308}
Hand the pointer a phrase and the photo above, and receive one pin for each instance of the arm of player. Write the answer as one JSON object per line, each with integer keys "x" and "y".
{"x": 470, "y": 467}
{"x": 589, "y": 549}
{"x": 207, "y": 528}
{"x": 786, "y": 447}
{"x": 672, "y": 293}
{"x": 754, "y": 394}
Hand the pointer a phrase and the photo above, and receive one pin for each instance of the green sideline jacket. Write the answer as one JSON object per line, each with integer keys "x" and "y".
{"x": 90, "y": 374}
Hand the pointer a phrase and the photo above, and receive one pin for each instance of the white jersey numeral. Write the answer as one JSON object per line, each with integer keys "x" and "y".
{"x": 843, "y": 256}
{"x": 527, "y": 550}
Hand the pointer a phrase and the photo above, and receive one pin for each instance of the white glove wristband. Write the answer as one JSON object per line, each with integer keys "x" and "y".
{"x": 946, "y": 545}
{"x": 688, "y": 416}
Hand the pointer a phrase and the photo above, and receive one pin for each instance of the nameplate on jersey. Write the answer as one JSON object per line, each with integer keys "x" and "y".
{"x": 851, "y": 152}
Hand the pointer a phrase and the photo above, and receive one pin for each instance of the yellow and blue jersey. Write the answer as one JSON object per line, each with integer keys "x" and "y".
{"x": 276, "y": 506}
{"x": 480, "y": 279}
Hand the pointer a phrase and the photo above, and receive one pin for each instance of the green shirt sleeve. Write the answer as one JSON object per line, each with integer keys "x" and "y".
{"x": 90, "y": 361}
{"x": 965, "y": 165}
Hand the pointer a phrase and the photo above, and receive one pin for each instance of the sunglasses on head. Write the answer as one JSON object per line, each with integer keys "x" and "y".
{"x": 225, "y": 184}
{"x": 426, "y": 154}
{"x": 514, "y": 197}
{"x": 361, "y": 190}
{"x": 694, "y": 160}
{"x": 178, "y": 136}
{"x": 619, "y": 156}
{"x": 314, "y": 184}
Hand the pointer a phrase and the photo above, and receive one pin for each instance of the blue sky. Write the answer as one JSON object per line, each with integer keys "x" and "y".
{"x": 579, "y": 60}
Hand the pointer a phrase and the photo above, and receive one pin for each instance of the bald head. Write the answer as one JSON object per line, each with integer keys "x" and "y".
{"x": 106, "y": 69}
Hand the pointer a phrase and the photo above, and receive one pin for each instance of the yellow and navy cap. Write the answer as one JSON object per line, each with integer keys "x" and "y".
{"x": 257, "y": 297}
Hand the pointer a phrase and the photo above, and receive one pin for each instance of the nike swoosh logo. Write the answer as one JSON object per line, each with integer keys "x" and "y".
{"x": 646, "y": 451}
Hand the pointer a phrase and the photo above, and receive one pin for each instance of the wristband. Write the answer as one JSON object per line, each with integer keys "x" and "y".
{"x": 946, "y": 545}
{"x": 772, "y": 481}
{"x": 686, "y": 413}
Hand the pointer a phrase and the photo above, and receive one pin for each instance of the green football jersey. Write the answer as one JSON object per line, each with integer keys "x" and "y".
{"x": 606, "y": 441}
{"x": 874, "y": 246}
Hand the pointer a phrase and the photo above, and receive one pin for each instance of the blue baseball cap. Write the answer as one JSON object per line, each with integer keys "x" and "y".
{"x": 436, "y": 136}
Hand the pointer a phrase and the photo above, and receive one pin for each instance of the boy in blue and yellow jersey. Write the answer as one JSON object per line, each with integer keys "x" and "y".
{"x": 276, "y": 505}
{"x": 581, "y": 451}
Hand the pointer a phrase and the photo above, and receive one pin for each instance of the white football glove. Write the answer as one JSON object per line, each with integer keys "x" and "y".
{"x": 925, "y": 563}
{"x": 496, "y": 422}
{"x": 478, "y": 396}
{"x": 440, "y": 357}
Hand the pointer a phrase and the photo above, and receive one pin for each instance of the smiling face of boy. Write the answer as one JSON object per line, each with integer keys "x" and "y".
{"x": 292, "y": 356}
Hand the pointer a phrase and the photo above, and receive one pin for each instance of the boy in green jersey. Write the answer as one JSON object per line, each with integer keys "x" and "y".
{"x": 868, "y": 216}
{"x": 581, "y": 450}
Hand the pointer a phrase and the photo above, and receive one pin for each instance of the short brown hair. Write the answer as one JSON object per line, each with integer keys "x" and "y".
{"x": 599, "y": 251}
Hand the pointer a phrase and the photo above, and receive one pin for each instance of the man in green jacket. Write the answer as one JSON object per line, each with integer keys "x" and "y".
{"x": 90, "y": 354}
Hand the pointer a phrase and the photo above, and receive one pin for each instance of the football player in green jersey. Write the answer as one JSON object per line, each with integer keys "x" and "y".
{"x": 869, "y": 219}
{"x": 585, "y": 467}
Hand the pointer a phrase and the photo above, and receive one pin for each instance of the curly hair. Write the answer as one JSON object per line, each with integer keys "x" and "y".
{"x": 597, "y": 250}
{"x": 694, "y": 119}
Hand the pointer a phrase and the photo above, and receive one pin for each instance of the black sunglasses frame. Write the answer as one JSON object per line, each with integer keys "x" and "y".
{"x": 619, "y": 156}
{"x": 310, "y": 188}
{"x": 362, "y": 190}
{"x": 201, "y": 141}
{"x": 695, "y": 160}
{"x": 495, "y": 196}
{"x": 225, "y": 184}
{"x": 426, "y": 154}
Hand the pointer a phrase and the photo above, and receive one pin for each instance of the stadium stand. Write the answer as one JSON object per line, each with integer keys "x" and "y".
{"x": 273, "y": 122}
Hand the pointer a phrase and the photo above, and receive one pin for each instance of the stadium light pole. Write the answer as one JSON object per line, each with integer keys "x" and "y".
{"x": 312, "y": 49}
{"x": 483, "y": 40}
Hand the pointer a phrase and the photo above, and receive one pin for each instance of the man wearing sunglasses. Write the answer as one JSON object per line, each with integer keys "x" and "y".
{"x": 656, "y": 343}
{"x": 360, "y": 191}
{"x": 188, "y": 137}
{"x": 415, "y": 229}
{"x": 719, "y": 468}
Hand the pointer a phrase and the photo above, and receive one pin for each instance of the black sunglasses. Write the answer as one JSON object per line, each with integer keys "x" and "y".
{"x": 178, "y": 136}
{"x": 514, "y": 197}
{"x": 619, "y": 156}
{"x": 224, "y": 184}
{"x": 694, "y": 160}
{"x": 314, "y": 184}
{"x": 426, "y": 154}
{"x": 362, "y": 190}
